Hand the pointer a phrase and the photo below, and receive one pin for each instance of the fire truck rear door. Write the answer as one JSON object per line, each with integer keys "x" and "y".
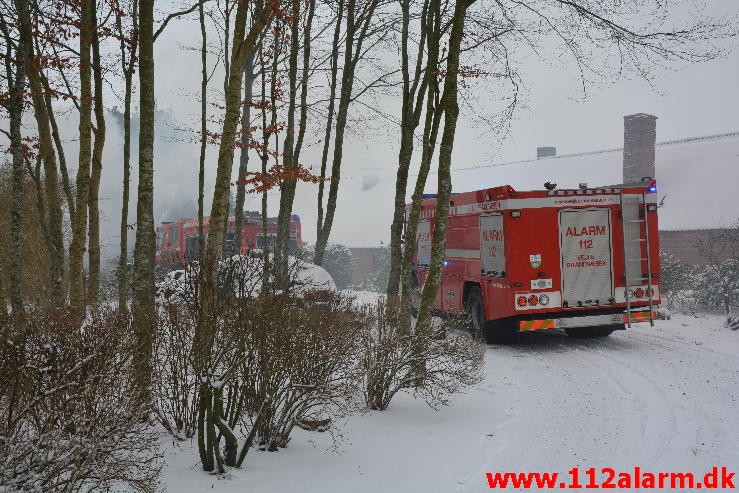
{"x": 586, "y": 257}
{"x": 423, "y": 243}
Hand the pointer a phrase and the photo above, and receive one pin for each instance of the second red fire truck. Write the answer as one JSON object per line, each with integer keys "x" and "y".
{"x": 177, "y": 241}
{"x": 585, "y": 260}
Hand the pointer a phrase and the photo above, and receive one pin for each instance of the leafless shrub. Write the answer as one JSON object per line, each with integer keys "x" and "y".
{"x": 305, "y": 354}
{"x": 434, "y": 365}
{"x": 175, "y": 389}
{"x": 266, "y": 358}
{"x": 69, "y": 419}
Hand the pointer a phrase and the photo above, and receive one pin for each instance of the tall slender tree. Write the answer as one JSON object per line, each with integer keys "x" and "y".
{"x": 413, "y": 91}
{"x": 128, "y": 49}
{"x": 97, "y": 164}
{"x": 244, "y": 44}
{"x": 33, "y": 68}
{"x": 444, "y": 185}
{"x": 79, "y": 228}
{"x": 294, "y": 136}
{"x": 15, "y": 74}
{"x": 359, "y": 18}
{"x": 145, "y": 247}
{"x": 203, "y": 126}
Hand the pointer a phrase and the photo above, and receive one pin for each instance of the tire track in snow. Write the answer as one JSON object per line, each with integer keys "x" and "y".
{"x": 653, "y": 380}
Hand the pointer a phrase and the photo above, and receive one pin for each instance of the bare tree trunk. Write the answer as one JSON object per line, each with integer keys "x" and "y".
{"x": 97, "y": 167}
{"x": 293, "y": 145}
{"x": 203, "y": 128}
{"x": 59, "y": 149}
{"x": 46, "y": 149}
{"x": 409, "y": 119}
{"x": 330, "y": 115}
{"x": 145, "y": 247}
{"x": 264, "y": 155}
{"x": 287, "y": 188}
{"x": 16, "y": 88}
{"x": 128, "y": 69}
{"x": 434, "y": 112}
{"x": 451, "y": 112}
{"x": 219, "y": 208}
{"x": 355, "y": 36}
{"x": 79, "y": 229}
{"x": 244, "y": 156}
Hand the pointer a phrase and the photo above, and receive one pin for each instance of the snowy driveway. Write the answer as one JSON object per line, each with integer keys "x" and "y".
{"x": 662, "y": 398}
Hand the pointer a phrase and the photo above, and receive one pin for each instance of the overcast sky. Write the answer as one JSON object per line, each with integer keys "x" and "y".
{"x": 692, "y": 100}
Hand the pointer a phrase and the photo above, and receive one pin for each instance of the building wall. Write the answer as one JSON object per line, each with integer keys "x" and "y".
{"x": 685, "y": 244}
{"x": 365, "y": 263}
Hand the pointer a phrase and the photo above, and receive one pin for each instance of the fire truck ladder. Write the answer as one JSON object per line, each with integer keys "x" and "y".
{"x": 634, "y": 213}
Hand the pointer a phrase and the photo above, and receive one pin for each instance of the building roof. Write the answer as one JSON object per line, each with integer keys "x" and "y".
{"x": 697, "y": 177}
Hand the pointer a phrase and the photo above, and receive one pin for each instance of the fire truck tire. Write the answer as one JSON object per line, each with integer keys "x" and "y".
{"x": 499, "y": 332}
{"x": 590, "y": 332}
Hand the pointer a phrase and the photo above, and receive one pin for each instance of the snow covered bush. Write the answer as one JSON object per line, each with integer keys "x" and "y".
{"x": 338, "y": 261}
{"x": 717, "y": 286}
{"x": 69, "y": 420}
{"x": 302, "y": 354}
{"x": 264, "y": 359}
{"x": 676, "y": 278}
{"x": 434, "y": 366}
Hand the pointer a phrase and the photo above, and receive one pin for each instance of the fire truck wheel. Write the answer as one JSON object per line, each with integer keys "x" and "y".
{"x": 590, "y": 332}
{"x": 476, "y": 311}
{"x": 499, "y": 332}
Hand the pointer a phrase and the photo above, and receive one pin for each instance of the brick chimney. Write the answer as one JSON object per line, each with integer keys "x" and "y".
{"x": 640, "y": 135}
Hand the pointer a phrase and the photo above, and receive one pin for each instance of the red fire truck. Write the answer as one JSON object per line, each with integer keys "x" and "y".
{"x": 177, "y": 241}
{"x": 585, "y": 260}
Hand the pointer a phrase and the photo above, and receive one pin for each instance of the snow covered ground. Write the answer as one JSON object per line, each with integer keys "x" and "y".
{"x": 662, "y": 398}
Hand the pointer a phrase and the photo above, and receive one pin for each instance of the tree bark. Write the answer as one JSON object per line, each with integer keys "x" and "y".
{"x": 330, "y": 114}
{"x": 451, "y": 112}
{"x": 219, "y": 208}
{"x": 46, "y": 150}
{"x": 59, "y": 149}
{"x": 413, "y": 91}
{"x": 16, "y": 87}
{"x": 293, "y": 143}
{"x": 203, "y": 128}
{"x": 356, "y": 33}
{"x": 97, "y": 167}
{"x": 434, "y": 112}
{"x": 244, "y": 156}
{"x": 79, "y": 229}
{"x": 145, "y": 247}
{"x": 128, "y": 67}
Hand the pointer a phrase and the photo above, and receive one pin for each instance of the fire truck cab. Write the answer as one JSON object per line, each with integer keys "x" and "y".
{"x": 585, "y": 260}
